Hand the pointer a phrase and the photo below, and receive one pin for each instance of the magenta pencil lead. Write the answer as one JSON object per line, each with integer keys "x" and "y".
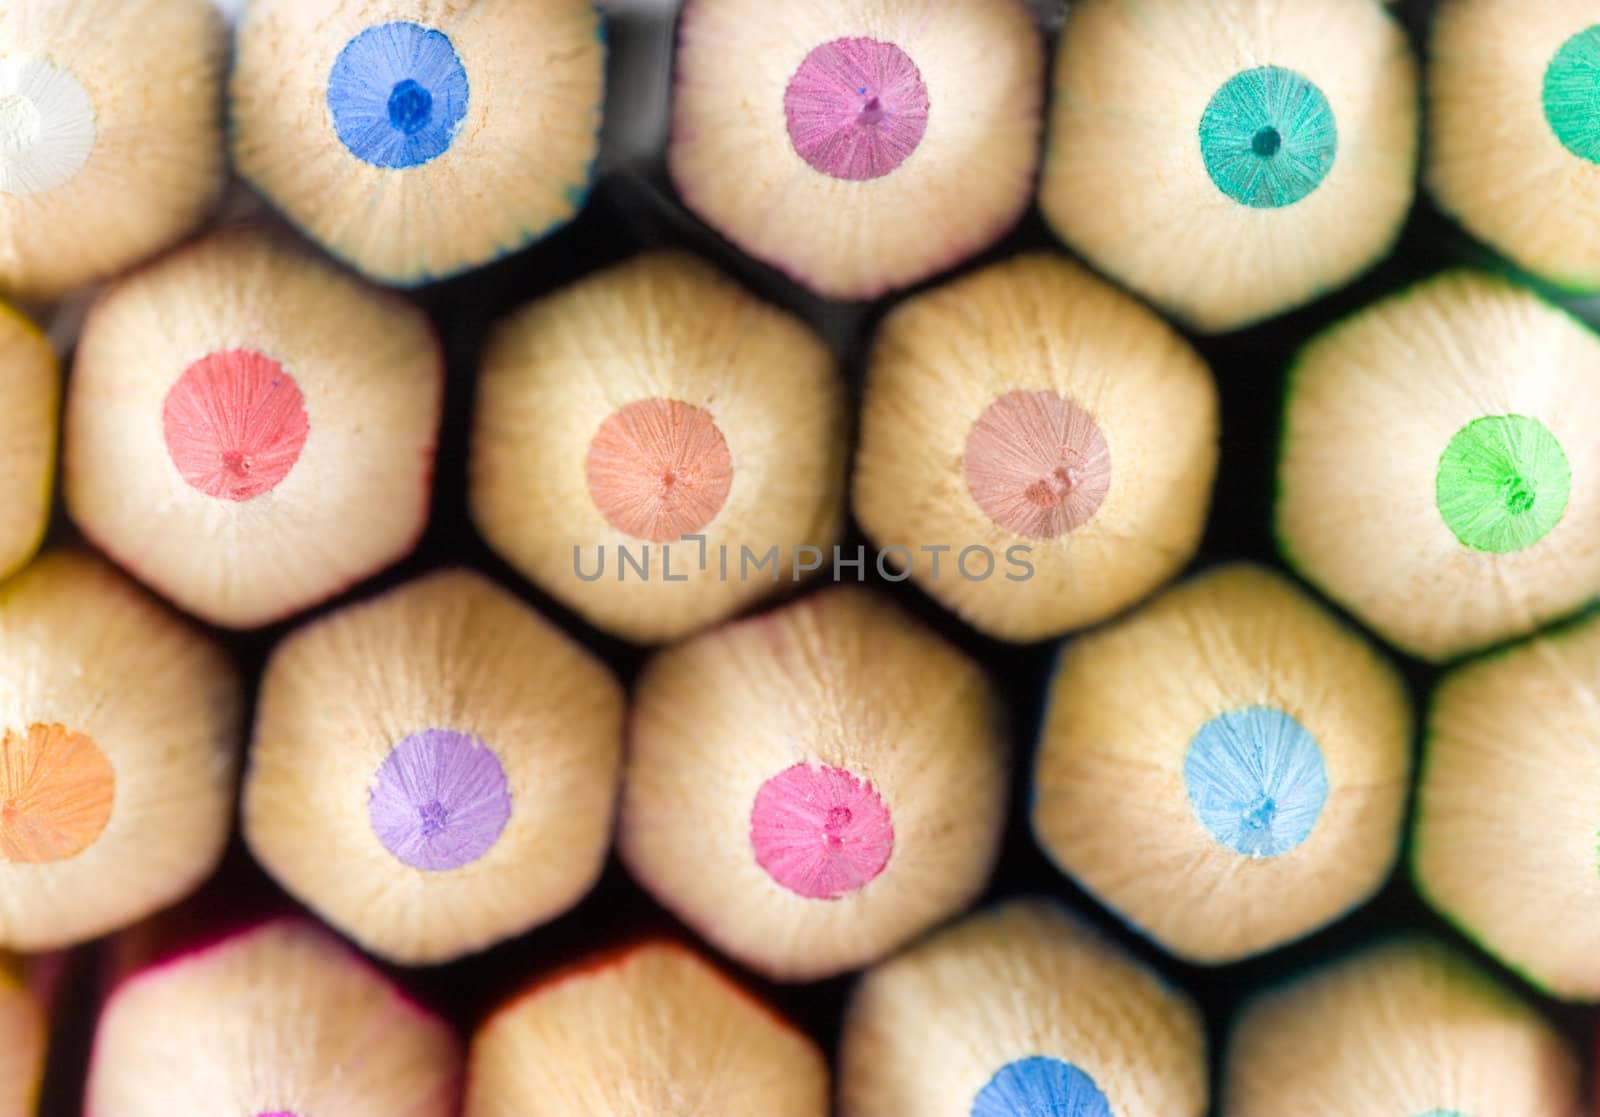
{"x": 857, "y": 146}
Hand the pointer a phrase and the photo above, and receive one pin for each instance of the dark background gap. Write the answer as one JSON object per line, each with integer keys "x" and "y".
{"x": 634, "y": 208}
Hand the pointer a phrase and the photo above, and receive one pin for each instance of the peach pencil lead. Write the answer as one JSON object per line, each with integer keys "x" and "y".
{"x": 655, "y": 414}
{"x": 1052, "y": 428}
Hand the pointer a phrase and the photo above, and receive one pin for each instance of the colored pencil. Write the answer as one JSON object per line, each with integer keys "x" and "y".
{"x": 22, "y": 1042}
{"x": 857, "y": 145}
{"x": 110, "y": 135}
{"x": 1503, "y": 843}
{"x": 1513, "y": 149}
{"x": 1408, "y": 1027}
{"x": 434, "y": 770}
{"x": 1020, "y": 1011}
{"x": 656, "y": 414}
{"x": 280, "y": 1021}
{"x": 1226, "y": 768}
{"x": 1474, "y": 514}
{"x": 653, "y": 1031}
{"x": 30, "y": 397}
{"x": 118, "y": 757}
{"x": 1232, "y": 159}
{"x": 992, "y": 408}
{"x": 415, "y": 139}
{"x": 811, "y": 788}
{"x": 250, "y": 430}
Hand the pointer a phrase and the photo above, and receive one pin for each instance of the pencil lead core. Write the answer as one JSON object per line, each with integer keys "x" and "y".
{"x": 659, "y": 469}
{"x": 1572, "y": 94}
{"x": 1037, "y": 464}
{"x": 19, "y": 124}
{"x": 1268, "y": 137}
{"x": 1039, "y": 1086}
{"x": 440, "y": 800}
{"x": 856, "y": 108}
{"x": 410, "y": 107}
{"x": 234, "y": 424}
{"x": 1256, "y": 780}
{"x": 47, "y": 125}
{"x": 821, "y": 832}
{"x": 398, "y": 95}
{"x": 1503, "y": 483}
{"x": 56, "y": 792}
